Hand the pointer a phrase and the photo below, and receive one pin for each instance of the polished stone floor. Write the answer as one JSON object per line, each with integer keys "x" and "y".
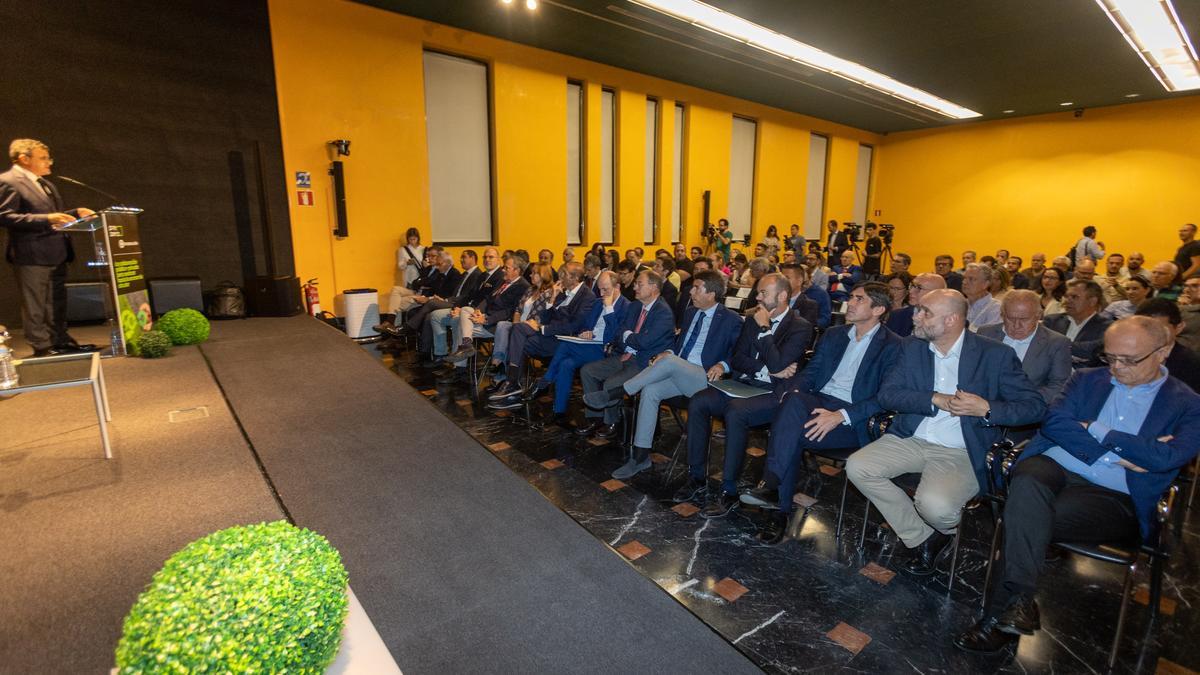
{"x": 815, "y": 603}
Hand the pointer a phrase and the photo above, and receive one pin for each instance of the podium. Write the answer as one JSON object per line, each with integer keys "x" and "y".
{"x": 117, "y": 261}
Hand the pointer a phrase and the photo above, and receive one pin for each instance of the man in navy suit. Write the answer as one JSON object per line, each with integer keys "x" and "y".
{"x": 1081, "y": 321}
{"x": 567, "y": 315}
{"x": 1111, "y": 445}
{"x": 32, "y": 211}
{"x": 952, "y": 394}
{"x": 771, "y": 343}
{"x": 844, "y": 277}
{"x": 710, "y": 330}
{"x": 827, "y": 404}
{"x": 495, "y": 301}
{"x": 603, "y": 322}
{"x": 900, "y": 321}
{"x": 648, "y": 331}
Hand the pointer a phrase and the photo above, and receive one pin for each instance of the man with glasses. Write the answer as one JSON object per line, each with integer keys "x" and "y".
{"x": 1109, "y": 447}
{"x": 942, "y": 265}
{"x": 952, "y": 391}
{"x": 1081, "y": 322}
{"x": 900, "y": 321}
{"x": 32, "y": 211}
{"x": 1037, "y": 265}
{"x": 1045, "y": 355}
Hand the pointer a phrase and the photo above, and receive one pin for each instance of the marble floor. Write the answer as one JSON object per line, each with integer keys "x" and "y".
{"x": 816, "y": 603}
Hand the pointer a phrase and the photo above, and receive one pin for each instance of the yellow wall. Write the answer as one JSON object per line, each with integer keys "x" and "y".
{"x": 1032, "y": 184}
{"x": 344, "y": 70}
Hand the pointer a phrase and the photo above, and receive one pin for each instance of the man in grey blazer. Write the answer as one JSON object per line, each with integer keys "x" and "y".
{"x": 31, "y": 209}
{"x": 1045, "y": 354}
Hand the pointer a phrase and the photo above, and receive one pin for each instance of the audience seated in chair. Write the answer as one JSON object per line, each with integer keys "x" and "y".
{"x": 476, "y": 287}
{"x": 942, "y": 265}
{"x": 603, "y": 322}
{"x": 844, "y": 277}
{"x": 828, "y": 403}
{"x": 983, "y": 309}
{"x": 1109, "y": 447}
{"x": 1045, "y": 354}
{"x": 1081, "y": 322}
{"x": 900, "y": 321}
{"x": 483, "y": 318}
{"x": 698, "y": 355}
{"x": 648, "y": 331}
{"x": 772, "y": 341}
{"x": 952, "y": 394}
{"x": 798, "y": 302}
{"x": 1182, "y": 363}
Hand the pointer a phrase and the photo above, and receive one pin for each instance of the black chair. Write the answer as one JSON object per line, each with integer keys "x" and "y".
{"x": 1157, "y": 551}
{"x": 675, "y": 405}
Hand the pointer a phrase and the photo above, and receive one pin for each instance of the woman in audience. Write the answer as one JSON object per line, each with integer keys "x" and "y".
{"x": 1054, "y": 286}
{"x": 410, "y": 257}
{"x": 771, "y": 242}
{"x": 898, "y": 284}
{"x": 739, "y": 275}
{"x": 614, "y": 258}
{"x": 1137, "y": 290}
{"x": 598, "y": 251}
{"x": 1000, "y": 283}
{"x": 539, "y": 297}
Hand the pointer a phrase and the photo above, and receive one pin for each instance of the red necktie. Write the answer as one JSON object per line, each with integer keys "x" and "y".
{"x": 637, "y": 329}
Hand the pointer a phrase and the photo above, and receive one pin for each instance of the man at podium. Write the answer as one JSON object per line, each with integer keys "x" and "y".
{"x": 32, "y": 211}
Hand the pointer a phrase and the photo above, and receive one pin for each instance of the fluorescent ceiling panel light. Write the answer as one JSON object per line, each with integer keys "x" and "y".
{"x": 737, "y": 28}
{"x": 1155, "y": 32}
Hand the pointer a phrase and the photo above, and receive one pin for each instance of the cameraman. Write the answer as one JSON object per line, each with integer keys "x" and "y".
{"x": 872, "y": 253}
{"x": 723, "y": 240}
{"x": 837, "y": 242}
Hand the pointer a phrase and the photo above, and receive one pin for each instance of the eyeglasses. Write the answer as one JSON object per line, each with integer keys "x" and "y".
{"x": 1119, "y": 360}
{"x": 48, "y": 160}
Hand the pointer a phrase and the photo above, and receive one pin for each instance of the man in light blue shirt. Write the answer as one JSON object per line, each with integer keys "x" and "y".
{"x": 983, "y": 309}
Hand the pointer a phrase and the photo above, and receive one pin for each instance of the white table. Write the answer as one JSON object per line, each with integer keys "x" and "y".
{"x": 67, "y": 370}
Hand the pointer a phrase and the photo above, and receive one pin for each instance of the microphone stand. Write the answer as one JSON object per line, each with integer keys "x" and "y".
{"x": 115, "y": 201}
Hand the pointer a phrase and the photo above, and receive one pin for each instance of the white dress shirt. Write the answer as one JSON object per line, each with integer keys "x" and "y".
{"x": 764, "y": 375}
{"x": 841, "y": 385}
{"x": 698, "y": 350}
{"x": 944, "y": 429}
{"x": 983, "y": 312}
{"x": 598, "y": 329}
{"x": 1020, "y": 346}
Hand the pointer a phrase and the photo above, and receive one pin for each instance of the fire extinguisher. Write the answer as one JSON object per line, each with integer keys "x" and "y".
{"x": 312, "y": 299}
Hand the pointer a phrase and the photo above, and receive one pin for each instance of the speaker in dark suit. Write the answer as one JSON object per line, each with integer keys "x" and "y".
{"x": 31, "y": 209}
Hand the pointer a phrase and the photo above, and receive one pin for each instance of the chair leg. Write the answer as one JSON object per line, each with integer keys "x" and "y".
{"x": 837, "y": 535}
{"x": 1156, "y": 574}
{"x": 1125, "y": 592}
{"x": 954, "y": 555}
{"x": 991, "y": 561}
{"x": 1195, "y": 479}
{"x": 862, "y": 536}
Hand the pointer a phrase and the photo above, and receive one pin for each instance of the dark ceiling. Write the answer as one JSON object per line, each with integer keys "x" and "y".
{"x": 1028, "y": 56}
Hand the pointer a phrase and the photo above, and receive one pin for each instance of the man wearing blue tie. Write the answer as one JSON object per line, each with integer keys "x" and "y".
{"x": 701, "y": 353}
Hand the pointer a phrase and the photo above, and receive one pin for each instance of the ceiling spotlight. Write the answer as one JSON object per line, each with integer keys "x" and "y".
{"x": 530, "y": 4}
{"x": 1132, "y": 95}
{"x": 1006, "y": 112}
{"x": 1066, "y": 103}
{"x": 1153, "y": 29}
{"x": 507, "y": 2}
{"x": 736, "y": 28}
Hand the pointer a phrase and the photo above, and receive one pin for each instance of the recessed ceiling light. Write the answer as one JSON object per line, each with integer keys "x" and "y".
{"x": 507, "y": 2}
{"x": 1155, "y": 32}
{"x": 754, "y": 35}
{"x": 531, "y": 4}
{"x": 1132, "y": 95}
{"x": 1066, "y": 103}
{"x": 1008, "y": 111}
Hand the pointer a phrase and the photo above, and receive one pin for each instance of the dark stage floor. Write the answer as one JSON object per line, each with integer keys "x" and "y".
{"x": 813, "y": 604}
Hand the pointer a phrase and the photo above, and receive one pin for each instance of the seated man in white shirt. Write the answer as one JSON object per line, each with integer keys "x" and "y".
{"x": 1081, "y": 322}
{"x": 983, "y": 310}
{"x": 1045, "y": 355}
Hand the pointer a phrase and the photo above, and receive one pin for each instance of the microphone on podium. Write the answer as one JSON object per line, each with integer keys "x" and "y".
{"x": 116, "y": 202}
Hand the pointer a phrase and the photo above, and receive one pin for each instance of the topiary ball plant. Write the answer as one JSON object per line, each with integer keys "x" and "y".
{"x": 184, "y": 326}
{"x": 266, "y": 598}
{"x": 152, "y": 344}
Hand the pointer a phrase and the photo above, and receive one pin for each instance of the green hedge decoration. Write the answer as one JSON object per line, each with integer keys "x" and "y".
{"x": 184, "y": 326}
{"x": 266, "y": 598}
{"x": 151, "y": 345}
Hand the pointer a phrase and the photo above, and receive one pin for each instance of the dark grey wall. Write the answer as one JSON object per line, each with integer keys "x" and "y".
{"x": 160, "y": 104}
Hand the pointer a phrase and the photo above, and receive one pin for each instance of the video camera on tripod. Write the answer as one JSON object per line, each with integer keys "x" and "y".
{"x": 853, "y": 231}
{"x": 887, "y": 232}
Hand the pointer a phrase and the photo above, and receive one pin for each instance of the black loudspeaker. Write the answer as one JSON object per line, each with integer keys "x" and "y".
{"x": 168, "y": 293}
{"x": 338, "y": 172}
{"x": 274, "y": 296}
{"x": 704, "y": 222}
{"x": 86, "y": 302}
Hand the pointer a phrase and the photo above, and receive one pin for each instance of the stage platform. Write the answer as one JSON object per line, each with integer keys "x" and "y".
{"x": 461, "y": 564}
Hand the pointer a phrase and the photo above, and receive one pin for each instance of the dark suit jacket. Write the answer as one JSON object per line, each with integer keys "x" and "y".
{"x": 1020, "y": 281}
{"x": 1184, "y": 365}
{"x": 824, "y": 305}
{"x": 502, "y": 306}
{"x": 900, "y": 321}
{"x": 807, "y": 308}
{"x": 670, "y": 294}
{"x": 571, "y": 319}
{"x": 23, "y": 211}
{"x": 1175, "y": 412}
{"x": 722, "y": 334}
{"x": 684, "y": 301}
{"x": 1047, "y": 362}
{"x": 842, "y": 280}
{"x": 879, "y": 357}
{"x": 954, "y": 281}
{"x": 656, "y": 336}
{"x": 469, "y": 283}
{"x": 488, "y": 283}
{"x": 1086, "y": 346}
{"x": 986, "y": 368}
{"x": 774, "y": 351}
{"x": 612, "y": 324}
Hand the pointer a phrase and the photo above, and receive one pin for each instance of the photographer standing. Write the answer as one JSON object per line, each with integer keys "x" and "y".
{"x": 723, "y": 240}
{"x": 872, "y": 253}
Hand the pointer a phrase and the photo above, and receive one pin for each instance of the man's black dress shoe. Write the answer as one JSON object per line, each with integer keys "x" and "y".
{"x": 984, "y": 637}
{"x": 589, "y": 426}
{"x": 720, "y": 505}
{"x": 775, "y": 528}
{"x": 928, "y": 554}
{"x": 48, "y": 351}
{"x": 761, "y": 496}
{"x": 694, "y": 490}
{"x": 461, "y": 354}
{"x": 536, "y": 389}
{"x": 607, "y": 430}
{"x": 493, "y": 387}
{"x": 75, "y": 347}
{"x": 1021, "y": 617}
{"x": 505, "y": 390}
